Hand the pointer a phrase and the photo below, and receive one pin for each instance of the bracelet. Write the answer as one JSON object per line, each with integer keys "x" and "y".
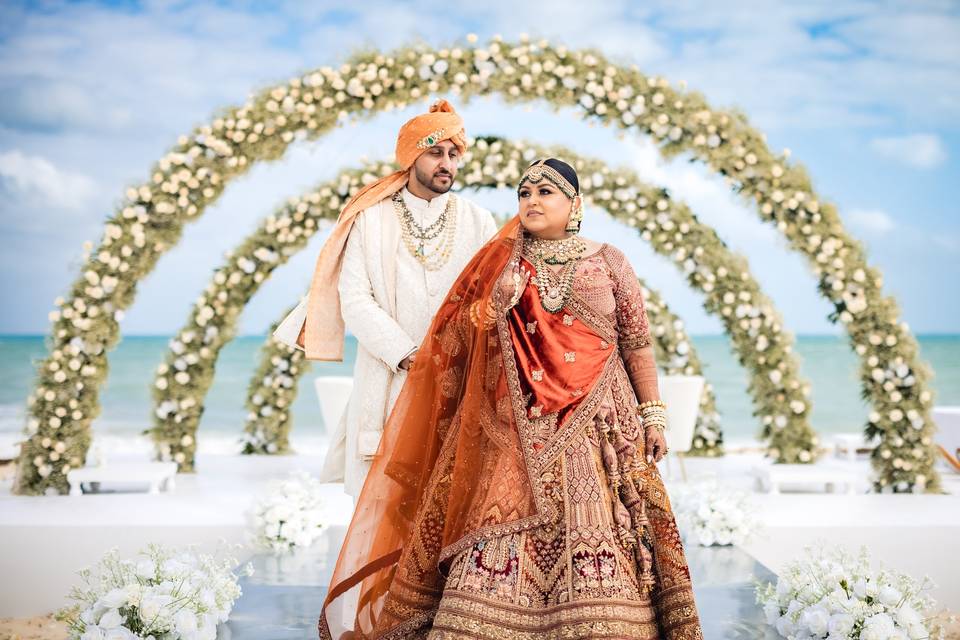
{"x": 654, "y": 415}
{"x": 650, "y": 403}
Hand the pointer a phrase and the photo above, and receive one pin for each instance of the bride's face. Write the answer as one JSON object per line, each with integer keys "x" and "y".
{"x": 544, "y": 209}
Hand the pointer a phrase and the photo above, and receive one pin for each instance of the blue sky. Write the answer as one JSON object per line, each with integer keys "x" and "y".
{"x": 865, "y": 95}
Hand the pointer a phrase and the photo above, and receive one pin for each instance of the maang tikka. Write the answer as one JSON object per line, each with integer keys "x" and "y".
{"x": 540, "y": 170}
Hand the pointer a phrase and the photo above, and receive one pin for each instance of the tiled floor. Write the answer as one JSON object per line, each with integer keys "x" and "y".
{"x": 281, "y": 601}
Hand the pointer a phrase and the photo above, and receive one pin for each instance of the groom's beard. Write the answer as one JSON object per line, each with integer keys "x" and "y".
{"x": 435, "y": 182}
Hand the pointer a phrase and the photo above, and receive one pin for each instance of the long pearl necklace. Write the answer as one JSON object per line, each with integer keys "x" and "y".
{"x": 416, "y": 238}
{"x": 555, "y": 288}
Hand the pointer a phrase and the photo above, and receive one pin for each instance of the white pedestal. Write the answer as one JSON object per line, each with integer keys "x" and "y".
{"x": 156, "y": 475}
{"x": 772, "y": 477}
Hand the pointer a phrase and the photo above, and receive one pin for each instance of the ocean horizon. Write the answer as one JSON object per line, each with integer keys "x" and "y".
{"x": 826, "y": 361}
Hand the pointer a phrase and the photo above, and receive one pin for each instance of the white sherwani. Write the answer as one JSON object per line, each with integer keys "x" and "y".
{"x": 388, "y": 300}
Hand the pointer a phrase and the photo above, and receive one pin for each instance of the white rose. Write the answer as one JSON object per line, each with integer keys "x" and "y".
{"x": 119, "y": 633}
{"x": 772, "y": 611}
{"x": 152, "y": 606}
{"x": 134, "y": 592}
{"x": 114, "y": 599}
{"x": 110, "y": 619}
{"x": 92, "y": 633}
{"x": 784, "y": 588}
{"x": 706, "y": 537}
{"x": 208, "y": 598}
{"x": 890, "y": 596}
{"x": 185, "y": 621}
{"x": 146, "y": 569}
{"x": 878, "y": 627}
{"x": 840, "y": 624}
{"x": 784, "y": 627}
{"x": 816, "y": 619}
{"x": 90, "y": 615}
{"x": 908, "y": 618}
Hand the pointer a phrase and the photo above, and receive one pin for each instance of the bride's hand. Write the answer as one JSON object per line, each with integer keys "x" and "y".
{"x": 512, "y": 283}
{"x": 656, "y": 444}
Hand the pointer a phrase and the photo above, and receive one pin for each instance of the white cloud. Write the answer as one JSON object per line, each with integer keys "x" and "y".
{"x": 97, "y": 69}
{"x": 922, "y": 150}
{"x": 38, "y": 183}
{"x": 872, "y": 220}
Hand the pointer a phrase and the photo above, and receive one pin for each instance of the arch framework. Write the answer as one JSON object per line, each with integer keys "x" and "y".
{"x": 190, "y": 177}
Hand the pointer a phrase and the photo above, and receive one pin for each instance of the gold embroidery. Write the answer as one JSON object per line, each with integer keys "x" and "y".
{"x": 562, "y": 572}
{"x": 537, "y": 374}
{"x": 568, "y": 319}
{"x": 532, "y": 327}
{"x": 450, "y": 382}
{"x": 570, "y": 356}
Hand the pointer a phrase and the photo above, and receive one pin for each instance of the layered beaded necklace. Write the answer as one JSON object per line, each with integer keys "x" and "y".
{"x": 416, "y": 237}
{"x": 554, "y": 288}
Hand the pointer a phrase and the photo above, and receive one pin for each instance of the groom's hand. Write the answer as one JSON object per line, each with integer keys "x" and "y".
{"x": 407, "y": 362}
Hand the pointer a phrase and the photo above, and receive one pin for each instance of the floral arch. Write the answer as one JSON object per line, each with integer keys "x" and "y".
{"x": 191, "y": 176}
{"x": 760, "y": 342}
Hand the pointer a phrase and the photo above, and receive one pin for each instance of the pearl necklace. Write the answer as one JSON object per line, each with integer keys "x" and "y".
{"x": 555, "y": 288}
{"x": 415, "y": 237}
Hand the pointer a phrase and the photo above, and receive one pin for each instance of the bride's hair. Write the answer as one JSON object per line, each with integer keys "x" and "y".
{"x": 565, "y": 170}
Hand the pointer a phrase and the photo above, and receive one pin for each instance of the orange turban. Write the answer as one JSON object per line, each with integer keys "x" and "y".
{"x": 323, "y": 338}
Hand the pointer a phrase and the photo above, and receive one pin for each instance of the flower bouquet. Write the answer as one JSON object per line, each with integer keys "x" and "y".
{"x": 711, "y": 514}
{"x": 290, "y": 515}
{"x": 836, "y": 596}
{"x": 162, "y": 594}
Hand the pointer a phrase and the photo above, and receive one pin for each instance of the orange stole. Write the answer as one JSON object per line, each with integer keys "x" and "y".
{"x": 559, "y": 358}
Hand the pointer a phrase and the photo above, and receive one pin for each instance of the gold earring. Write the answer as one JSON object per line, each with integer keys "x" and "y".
{"x": 576, "y": 216}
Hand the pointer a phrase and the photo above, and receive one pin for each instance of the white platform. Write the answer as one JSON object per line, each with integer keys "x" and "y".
{"x": 45, "y": 540}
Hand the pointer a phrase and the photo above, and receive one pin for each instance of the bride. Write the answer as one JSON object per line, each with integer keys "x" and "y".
{"x": 515, "y": 492}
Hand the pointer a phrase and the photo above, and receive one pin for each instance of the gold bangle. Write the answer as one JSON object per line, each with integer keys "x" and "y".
{"x": 653, "y": 413}
{"x": 651, "y": 403}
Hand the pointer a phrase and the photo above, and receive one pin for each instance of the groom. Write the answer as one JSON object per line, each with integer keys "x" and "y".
{"x": 398, "y": 246}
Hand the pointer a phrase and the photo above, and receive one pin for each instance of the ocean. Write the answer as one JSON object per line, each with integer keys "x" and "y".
{"x": 827, "y": 362}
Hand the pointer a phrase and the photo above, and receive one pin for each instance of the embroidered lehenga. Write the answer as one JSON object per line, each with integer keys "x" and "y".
{"x": 511, "y": 497}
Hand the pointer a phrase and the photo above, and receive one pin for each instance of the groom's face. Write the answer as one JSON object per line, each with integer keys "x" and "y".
{"x": 436, "y": 167}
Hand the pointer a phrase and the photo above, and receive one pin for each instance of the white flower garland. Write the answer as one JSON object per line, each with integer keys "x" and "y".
{"x": 270, "y": 396}
{"x": 190, "y": 177}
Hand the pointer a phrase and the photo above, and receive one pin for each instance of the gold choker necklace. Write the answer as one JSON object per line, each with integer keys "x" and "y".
{"x": 557, "y": 251}
{"x": 555, "y": 288}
